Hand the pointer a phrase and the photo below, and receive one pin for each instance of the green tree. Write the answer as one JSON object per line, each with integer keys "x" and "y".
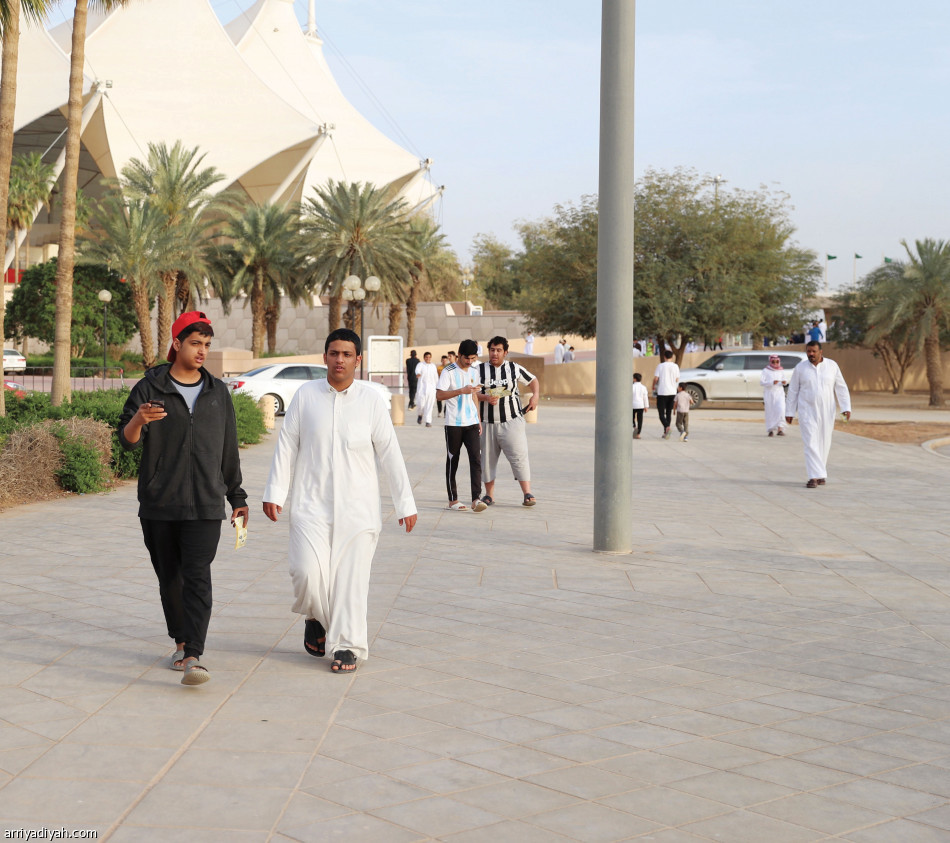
{"x": 173, "y": 180}
{"x": 919, "y": 300}
{"x": 264, "y": 254}
{"x": 32, "y": 309}
{"x": 428, "y": 245}
{"x": 69, "y": 186}
{"x": 709, "y": 261}
{"x": 10, "y": 13}
{"x": 495, "y": 276}
{"x": 356, "y": 229}
{"x": 557, "y": 268}
{"x": 132, "y": 238}
{"x": 898, "y": 346}
{"x": 31, "y": 181}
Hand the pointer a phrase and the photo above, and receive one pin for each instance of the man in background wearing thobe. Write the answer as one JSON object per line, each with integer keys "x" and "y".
{"x": 815, "y": 385}
{"x": 325, "y": 460}
{"x": 773, "y": 381}
{"x": 559, "y": 350}
{"x": 428, "y": 376}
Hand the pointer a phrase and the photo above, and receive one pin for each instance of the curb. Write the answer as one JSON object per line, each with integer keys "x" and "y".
{"x": 932, "y": 445}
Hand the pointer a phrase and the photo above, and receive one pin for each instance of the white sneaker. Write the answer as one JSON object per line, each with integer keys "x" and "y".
{"x": 683, "y": 436}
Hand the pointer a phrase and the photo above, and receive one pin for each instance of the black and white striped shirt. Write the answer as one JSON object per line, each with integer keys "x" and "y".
{"x": 505, "y": 376}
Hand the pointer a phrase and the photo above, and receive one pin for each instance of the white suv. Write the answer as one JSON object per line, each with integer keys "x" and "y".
{"x": 733, "y": 375}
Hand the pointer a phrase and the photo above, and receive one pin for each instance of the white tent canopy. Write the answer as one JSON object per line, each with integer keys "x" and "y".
{"x": 257, "y": 98}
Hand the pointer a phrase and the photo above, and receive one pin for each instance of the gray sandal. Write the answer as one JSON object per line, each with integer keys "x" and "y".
{"x": 177, "y": 660}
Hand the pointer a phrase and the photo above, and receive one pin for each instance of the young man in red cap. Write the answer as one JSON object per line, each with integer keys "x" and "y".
{"x": 183, "y": 419}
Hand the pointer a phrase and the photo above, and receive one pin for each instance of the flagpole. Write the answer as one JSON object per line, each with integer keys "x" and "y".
{"x": 854, "y": 275}
{"x": 826, "y": 272}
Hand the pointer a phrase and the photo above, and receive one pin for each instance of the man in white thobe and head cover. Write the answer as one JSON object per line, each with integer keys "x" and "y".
{"x": 528, "y": 343}
{"x": 333, "y": 434}
{"x": 428, "y": 376}
{"x": 773, "y": 381}
{"x": 815, "y": 385}
{"x": 559, "y": 350}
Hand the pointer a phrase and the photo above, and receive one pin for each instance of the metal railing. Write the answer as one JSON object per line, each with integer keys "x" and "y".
{"x": 82, "y": 378}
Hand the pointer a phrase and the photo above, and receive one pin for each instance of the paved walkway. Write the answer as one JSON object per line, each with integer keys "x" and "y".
{"x": 770, "y": 664}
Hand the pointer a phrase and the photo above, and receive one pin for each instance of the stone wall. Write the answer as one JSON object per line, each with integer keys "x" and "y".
{"x": 303, "y": 329}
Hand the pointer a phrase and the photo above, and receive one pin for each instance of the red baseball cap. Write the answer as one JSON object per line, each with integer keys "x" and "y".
{"x": 180, "y": 326}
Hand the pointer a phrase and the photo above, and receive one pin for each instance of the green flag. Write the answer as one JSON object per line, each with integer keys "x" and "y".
{"x": 857, "y": 256}
{"x": 888, "y": 260}
{"x": 832, "y": 257}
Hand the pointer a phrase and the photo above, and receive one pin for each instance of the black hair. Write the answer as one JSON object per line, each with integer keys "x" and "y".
{"x": 202, "y": 328}
{"x": 467, "y": 348}
{"x": 667, "y": 355}
{"x": 344, "y": 335}
{"x": 498, "y": 341}
{"x": 637, "y": 377}
{"x": 412, "y": 353}
{"x": 813, "y": 342}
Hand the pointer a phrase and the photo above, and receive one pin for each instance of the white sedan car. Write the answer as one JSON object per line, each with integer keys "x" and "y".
{"x": 280, "y": 381}
{"x": 13, "y": 361}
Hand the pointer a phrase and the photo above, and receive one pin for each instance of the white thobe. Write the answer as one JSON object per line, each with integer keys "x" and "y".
{"x": 774, "y": 396}
{"x": 559, "y": 353}
{"x": 812, "y": 391}
{"x": 529, "y": 344}
{"x": 326, "y": 461}
{"x": 427, "y": 377}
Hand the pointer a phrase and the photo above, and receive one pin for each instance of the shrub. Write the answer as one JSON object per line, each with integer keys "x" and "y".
{"x": 250, "y": 419}
{"x": 82, "y": 469}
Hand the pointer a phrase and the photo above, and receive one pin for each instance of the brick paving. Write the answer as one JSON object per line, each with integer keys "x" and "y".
{"x": 771, "y": 663}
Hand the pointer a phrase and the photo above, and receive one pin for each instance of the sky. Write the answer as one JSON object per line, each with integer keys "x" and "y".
{"x": 840, "y": 104}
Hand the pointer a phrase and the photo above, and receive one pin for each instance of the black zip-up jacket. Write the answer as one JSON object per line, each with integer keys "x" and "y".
{"x": 190, "y": 462}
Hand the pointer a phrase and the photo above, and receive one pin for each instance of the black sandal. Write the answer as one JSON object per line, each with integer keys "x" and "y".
{"x": 488, "y": 500}
{"x": 529, "y": 499}
{"x": 343, "y": 662}
{"x": 314, "y": 638}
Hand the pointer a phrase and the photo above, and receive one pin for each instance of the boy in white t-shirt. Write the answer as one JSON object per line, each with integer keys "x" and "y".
{"x": 641, "y": 402}
{"x": 457, "y": 387}
{"x": 683, "y": 402}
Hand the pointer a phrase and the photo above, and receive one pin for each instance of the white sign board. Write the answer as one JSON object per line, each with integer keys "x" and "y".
{"x": 384, "y": 355}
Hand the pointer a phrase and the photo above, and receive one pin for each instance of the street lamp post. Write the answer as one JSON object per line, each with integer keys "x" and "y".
{"x": 105, "y": 297}
{"x": 355, "y": 290}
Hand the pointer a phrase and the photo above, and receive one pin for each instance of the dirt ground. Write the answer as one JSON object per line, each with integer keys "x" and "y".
{"x": 904, "y": 433}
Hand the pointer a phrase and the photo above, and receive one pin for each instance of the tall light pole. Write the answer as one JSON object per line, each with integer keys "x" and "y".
{"x": 355, "y": 290}
{"x": 105, "y": 297}
{"x": 716, "y": 182}
{"x": 613, "y": 443}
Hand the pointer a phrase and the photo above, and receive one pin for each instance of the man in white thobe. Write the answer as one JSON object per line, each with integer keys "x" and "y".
{"x": 559, "y": 350}
{"x": 815, "y": 385}
{"x": 427, "y": 376}
{"x": 773, "y": 382}
{"x": 334, "y": 432}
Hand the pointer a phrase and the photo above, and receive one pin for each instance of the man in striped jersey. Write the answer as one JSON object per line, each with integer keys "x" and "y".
{"x": 502, "y": 417}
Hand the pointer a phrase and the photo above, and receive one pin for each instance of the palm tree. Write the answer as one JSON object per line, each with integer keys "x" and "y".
{"x": 356, "y": 229}
{"x": 921, "y": 302}
{"x": 173, "y": 180}
{"x": 67, "y": 228}
{"x": 131, "y": 237}
{"x": 30, "y": 184}
{"x": 428, "y": 244}
{"x": 264, "y": 254}
{"x": 10, "y": 13}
